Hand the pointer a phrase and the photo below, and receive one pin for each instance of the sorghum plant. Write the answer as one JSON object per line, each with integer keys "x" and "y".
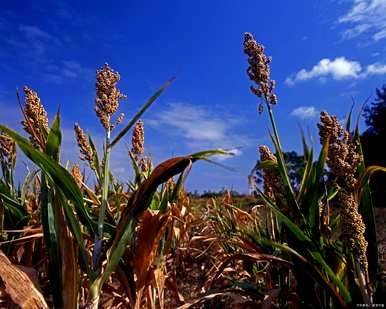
{"x": 315, "y": 229}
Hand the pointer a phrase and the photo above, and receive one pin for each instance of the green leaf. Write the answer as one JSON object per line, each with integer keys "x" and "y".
{"x": 318, "y": 274}
{"x": 366, "y": 174}
{"x": 313, "y": 196}
{"x": 306, "y": 150}
{"x": 75, "y": 229}
{"x": 306, "y": 179}
{"x": 179, "y": 184}
{"x": 54, "y": 139}
{"x": 51, "y": 240}
{"x": 348, "y": 121}
{"x": 203, "y": 155}
{"x": 356, "y": 134}
{"x": 293, "y": 228}
{"x": 13, "y": 207}
{"x": 268, "y": 164}
{"x": 137, "y": 171}
{"x": 290, "y": 194}
{"x": 57, "y": 175}
{"x": 326, "y": 269}
{"x": 291, "y": 198}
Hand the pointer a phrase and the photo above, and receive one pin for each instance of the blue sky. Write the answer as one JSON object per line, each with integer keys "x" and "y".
{"x": 324, "y": 53}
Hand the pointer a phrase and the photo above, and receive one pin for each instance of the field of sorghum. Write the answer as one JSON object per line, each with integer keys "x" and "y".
{"x": 146, "y": 243}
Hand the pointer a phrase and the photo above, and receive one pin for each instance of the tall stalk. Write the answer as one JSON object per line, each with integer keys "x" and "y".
{"x": 104, "y": 202}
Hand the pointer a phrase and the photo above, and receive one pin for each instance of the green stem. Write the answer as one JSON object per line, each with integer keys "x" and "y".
{"x": 105, "y": 187}
{"x": 273, "y": 124}
{"x": 281, "y": 161}
{"x": 102, "y": 209}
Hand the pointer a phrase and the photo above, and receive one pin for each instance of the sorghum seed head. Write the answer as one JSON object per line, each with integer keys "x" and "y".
{"x": 145, "y": 164}
{"x": 329, "y": 128}
{"x": 353, "y": 228}
{"x": 107, "y": 94}
{"x": 36, "y": 119}
{"x": 260, "y": 108}
{"x": 7, "y": 150}
{"x": 84, "y": 146}
{"x": 266, "y": 154}
{"x": 343, "y": 155}
{"x": 138, "y": 139}
{"x": 259, "y": 70}
{"x": 120, "y": 118}
{"x": 77, "y": 175}
{"x": 343, "y": 159}
{"x": 273, "y": 186}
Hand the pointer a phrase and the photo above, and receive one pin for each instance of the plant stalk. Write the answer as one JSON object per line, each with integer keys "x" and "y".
{"x": 102, "y": 209}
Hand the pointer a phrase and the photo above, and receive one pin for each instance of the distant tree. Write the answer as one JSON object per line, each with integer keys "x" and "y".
{"x": 295, "y": 167}
{"x": 375, "y": 115}
{"x": 374, "y": 144}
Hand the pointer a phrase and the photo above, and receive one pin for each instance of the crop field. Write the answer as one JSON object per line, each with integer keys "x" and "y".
{"x": 310, "y": 233}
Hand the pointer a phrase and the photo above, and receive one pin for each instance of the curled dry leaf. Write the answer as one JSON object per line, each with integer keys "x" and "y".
{"x": 151, "y": 228}
{"x": 19, "y": 286}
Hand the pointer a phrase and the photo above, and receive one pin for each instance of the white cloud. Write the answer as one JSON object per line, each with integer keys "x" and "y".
{"x": 304, "y": 112}
{"x": 375, "y": 69}
{"x": 365, "y": 16}
{"x": 200, "y": 128}
{"x": 340, "y": 68}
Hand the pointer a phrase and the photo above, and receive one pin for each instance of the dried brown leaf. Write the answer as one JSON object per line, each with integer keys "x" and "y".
{"x": 151, "y": 228}
{"x": 19, "y": 286}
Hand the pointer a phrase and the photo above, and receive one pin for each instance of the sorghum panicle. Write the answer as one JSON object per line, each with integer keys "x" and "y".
{"x": 7, "y": 150}
{"x": 84, "y": 146}
{"x": 259, "y": 71}
{"x": 145, "y": 164}
{"x": 353, "y": 228}
{"x": 107, "y": 94}
{"x": 36, "y": 118}
{"x": 272, "y": 181}
{"x": 120, "y": 119}
{"x": 77, "y": 175}
{"x": 343, "y": 156}
{"x": 138, "y": 139}
{"x": 343, "y": 160}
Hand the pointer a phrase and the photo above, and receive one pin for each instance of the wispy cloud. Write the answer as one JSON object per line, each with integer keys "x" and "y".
{"x": 65, "y": 70}
{"x": 365, "y": 16}
{"x": 375, "y": 69}
{"x": 34, "y": 32}
{"x": 338, "y": 69}
{"x": 305, "y": 112}
{"x": 34, "y": 40}
{"x": 200, "y": 128}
